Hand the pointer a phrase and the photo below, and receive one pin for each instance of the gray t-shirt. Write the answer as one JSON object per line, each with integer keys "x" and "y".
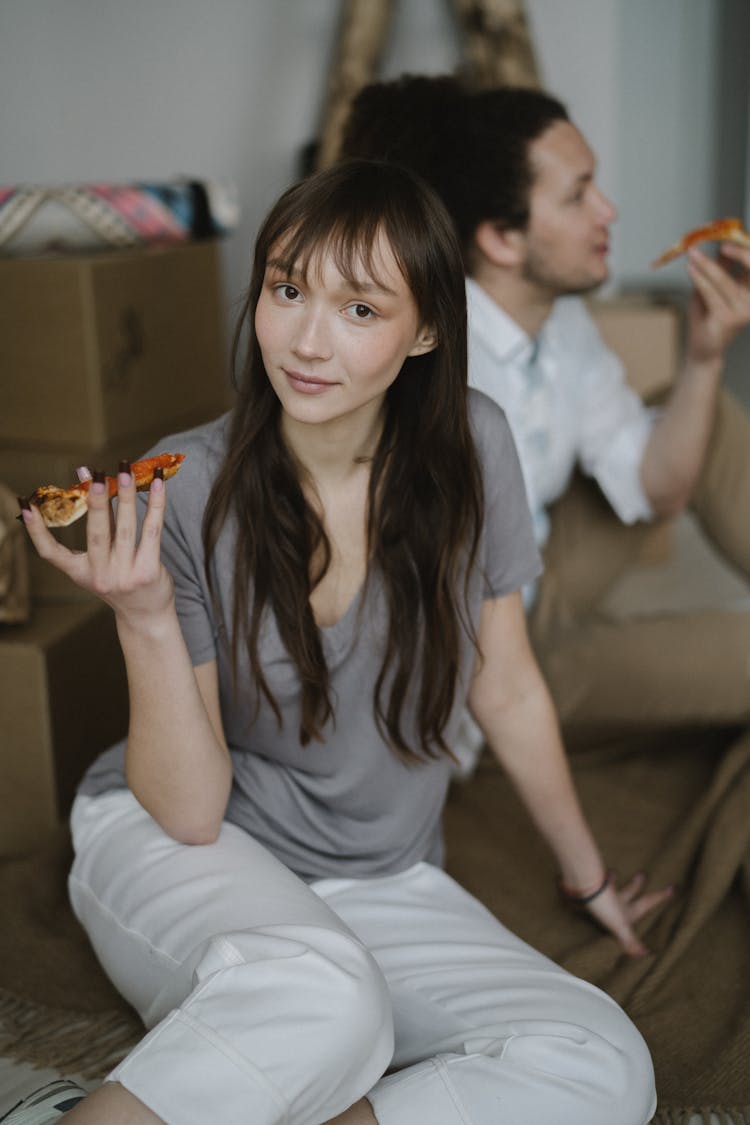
{"x": 347, "y": 806}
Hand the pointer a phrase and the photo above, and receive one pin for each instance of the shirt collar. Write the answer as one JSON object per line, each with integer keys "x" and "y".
{"x": 504, "y": 338}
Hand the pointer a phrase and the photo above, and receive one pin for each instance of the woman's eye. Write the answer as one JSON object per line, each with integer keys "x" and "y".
{"x": 286, "y": 291}
{"x": 361, "y": 312}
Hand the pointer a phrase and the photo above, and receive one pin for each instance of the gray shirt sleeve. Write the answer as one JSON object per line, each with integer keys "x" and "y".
{"x": 182, "y": 541}
{"x": 510, "y": 555}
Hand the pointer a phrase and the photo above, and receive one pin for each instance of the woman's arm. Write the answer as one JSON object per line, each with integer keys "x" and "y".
{"x": 512, "y": 705}
{"x": 178, "y": 765}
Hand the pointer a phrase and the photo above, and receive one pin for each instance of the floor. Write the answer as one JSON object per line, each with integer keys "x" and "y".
{"x": 691, "y": 577}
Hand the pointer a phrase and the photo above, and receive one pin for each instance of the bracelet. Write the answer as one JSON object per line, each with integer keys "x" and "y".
{"x": 583, "y": 898}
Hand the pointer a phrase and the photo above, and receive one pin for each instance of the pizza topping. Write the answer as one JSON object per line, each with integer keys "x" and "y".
{"x": 60, "y": 507}
{"x": 720, "y": 230}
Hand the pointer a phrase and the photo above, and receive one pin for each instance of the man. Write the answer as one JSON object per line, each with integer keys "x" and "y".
{"x": 519, "y": 181}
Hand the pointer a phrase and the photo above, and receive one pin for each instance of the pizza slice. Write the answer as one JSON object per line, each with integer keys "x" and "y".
{"x": 720, "y": 230}
{"x": 62, "y": 506}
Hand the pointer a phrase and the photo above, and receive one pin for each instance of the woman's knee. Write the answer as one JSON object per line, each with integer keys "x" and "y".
{"x": 594, "y": 1075}
{"x": 634, "y": 1075}
{"x": 621, "y": 1075}
{"x": 314, "y": 990}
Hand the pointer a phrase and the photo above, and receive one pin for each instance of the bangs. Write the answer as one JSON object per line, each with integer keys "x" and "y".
{"x": 352, "y": 243}
{"x": 346, "y": 215}
{"x": 363, "y": 216}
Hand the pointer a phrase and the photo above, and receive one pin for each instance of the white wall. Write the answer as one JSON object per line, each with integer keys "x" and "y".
{"x": 153, "y": 88}
{"x": 149, "y": 89}
{"x": 666, "y": 127}
{"x": 577, "y": 51}
{"x": 639, "y": 79}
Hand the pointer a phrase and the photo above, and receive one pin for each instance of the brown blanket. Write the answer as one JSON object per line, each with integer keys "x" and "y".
{"x": 677, "y": 806}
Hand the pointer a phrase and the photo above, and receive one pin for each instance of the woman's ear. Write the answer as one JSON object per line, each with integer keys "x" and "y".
{"x": 426, "y": 341}
{"x": 500, "y": 246}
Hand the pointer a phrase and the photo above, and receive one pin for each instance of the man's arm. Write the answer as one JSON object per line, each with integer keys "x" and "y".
{"x": 719, "y": 309}
{"x": 512, "y": 705}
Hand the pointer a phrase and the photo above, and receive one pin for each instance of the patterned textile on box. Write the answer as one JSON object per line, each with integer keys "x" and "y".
{"x": 43, "y": 219}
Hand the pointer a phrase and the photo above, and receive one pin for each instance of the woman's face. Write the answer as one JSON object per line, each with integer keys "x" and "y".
{"x": 331, "y": 348}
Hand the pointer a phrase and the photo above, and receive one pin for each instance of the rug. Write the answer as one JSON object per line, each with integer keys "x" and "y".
{"x": 676, "y": 806}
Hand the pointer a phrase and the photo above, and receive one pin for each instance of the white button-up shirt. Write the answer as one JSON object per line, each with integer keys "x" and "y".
{"x": 566, "y": 400}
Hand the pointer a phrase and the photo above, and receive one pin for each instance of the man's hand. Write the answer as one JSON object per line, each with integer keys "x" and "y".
{"x": 720, "y": 303}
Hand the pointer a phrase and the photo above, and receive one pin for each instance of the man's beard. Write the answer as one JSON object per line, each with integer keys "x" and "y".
{"x": 535, "y": 272}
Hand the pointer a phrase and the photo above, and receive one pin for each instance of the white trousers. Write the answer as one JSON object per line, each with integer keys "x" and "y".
{"x": 270, "y": 1001}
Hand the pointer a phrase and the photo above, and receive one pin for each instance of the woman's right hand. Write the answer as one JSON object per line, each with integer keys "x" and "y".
{"x": 618, "y": 909}
{"x": 125, "y": 572}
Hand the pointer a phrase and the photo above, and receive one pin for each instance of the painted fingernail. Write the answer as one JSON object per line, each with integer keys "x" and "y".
{"x": 98, "y": 481}
{"x": 23, "y": 504}
{"x": 124, "y": 467}
{"x": 158, "y": 473}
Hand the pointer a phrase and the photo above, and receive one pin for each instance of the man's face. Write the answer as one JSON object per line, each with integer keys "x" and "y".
{"x": 567, "y": 239}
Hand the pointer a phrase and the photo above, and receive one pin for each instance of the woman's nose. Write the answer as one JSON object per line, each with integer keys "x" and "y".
{"x": 312, "y": 338}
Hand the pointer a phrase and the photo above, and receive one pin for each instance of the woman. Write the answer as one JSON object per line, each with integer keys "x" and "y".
{"x": 339, "y": 573}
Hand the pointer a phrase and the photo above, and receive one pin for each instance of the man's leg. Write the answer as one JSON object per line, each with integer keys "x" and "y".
{"x": 588, "y": 550}
{"x": 664, "y": 670}
{"x": 722, "y": 498}
{"x": 652, "y": 668}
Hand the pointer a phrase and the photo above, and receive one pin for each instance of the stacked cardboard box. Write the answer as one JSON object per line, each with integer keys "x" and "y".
{"x": 64, "y": 699}
{"x": 645, "y": 334}
{"x": 100, "y": 357}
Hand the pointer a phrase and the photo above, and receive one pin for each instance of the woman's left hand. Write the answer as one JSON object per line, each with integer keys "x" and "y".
{"x": 618, "y": 910}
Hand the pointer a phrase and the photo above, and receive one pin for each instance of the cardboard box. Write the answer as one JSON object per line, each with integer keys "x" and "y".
{"x": 63, "y": 699}
{"x": 645, "y": 334}
{"x": 97, "y": 348}
{"x": 23, "y": 470}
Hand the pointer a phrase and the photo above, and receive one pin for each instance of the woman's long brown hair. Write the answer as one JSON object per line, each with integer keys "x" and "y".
{"x": 425, "y": 505}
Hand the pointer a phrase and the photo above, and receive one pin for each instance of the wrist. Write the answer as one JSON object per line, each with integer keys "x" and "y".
{"x": 703, "y": 365}
{"x": 583, "y": 895}
{"x": 147, "y": 628}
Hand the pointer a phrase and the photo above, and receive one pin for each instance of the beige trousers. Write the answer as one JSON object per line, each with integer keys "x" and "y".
{"x": 651, "y": 669}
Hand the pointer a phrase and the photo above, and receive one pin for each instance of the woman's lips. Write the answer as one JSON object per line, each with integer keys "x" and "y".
{"x": 307, "y": 384}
